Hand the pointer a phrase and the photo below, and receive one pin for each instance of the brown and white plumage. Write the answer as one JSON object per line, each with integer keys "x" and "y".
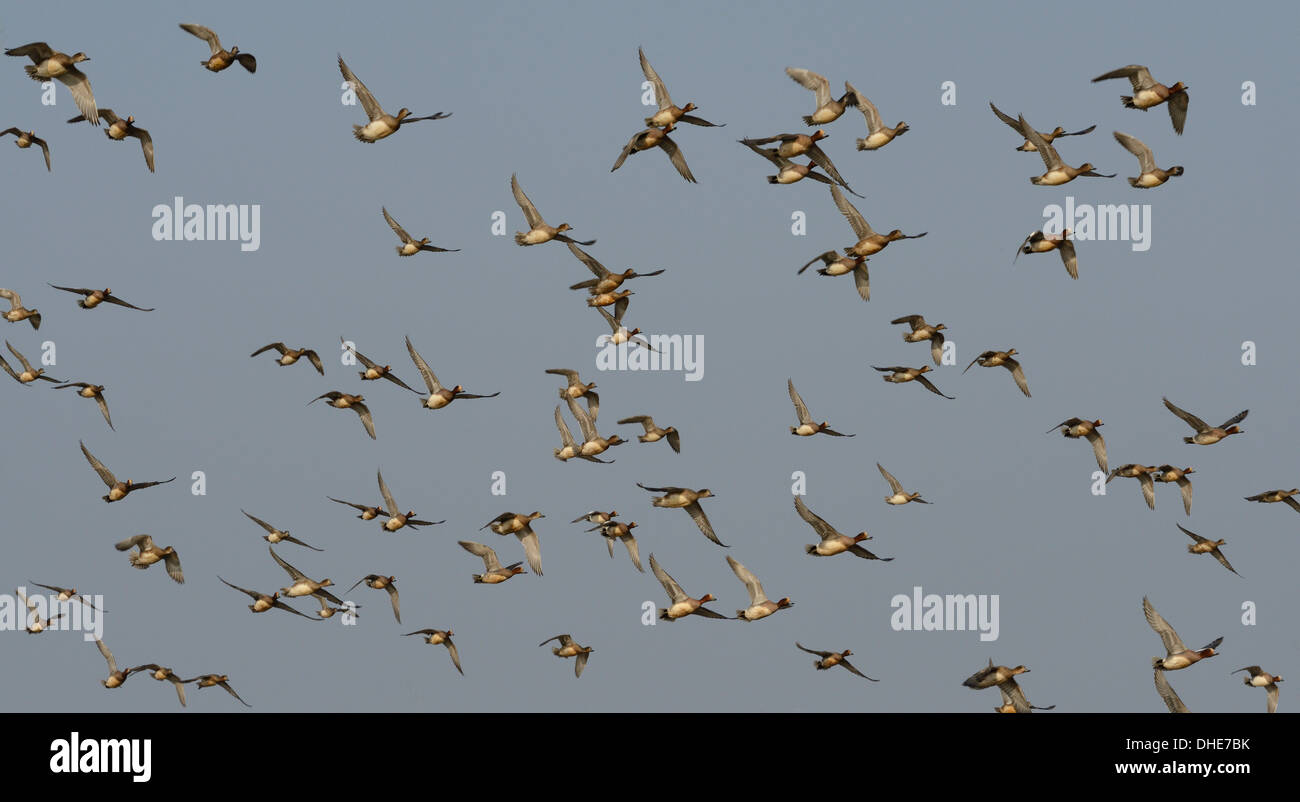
{"x": 265, "y": 602}
{"x": 95, "y": 391}
{"x": 220, "y": 58}
{"x": 832, "y": 540}
{"x": 381, "y": 582}
{"x": 32, "y": 620}
{"x": 274, "y": 535}
{"x": 685, "y": 498}
{"x": 116, "y": 490}
{"x": 656, "y": 138}
{"x": 1169, "y": 473}
{"x": 436, "y": 637}
{"x": 668, "y": 112}
{"x": 148, "y": 554}
{"x": 538, "y": 230}
{"x": 900, "y": 374}
{"x": 1259, "y": 678}
{"x": 1206, "y": 434}
{"x": 570, "y": 648}
{"x": 1143, "y": 474}
{"x": 829, "y": 660}
{"x": 49, "y": 63}
{"x": 219, "y": 681}
{"x": 288, "y": 356}
{"x": 17, "y": 312}
{"x": 993, "y": 359}
{"x": 119, "y": 129}
{"x": 29, "y": 374}
{"x": 410, "y": 245}
{"x": 355, "y": 403}
{"x": 807, "y": 426}
{"x": 1148, "y": 93}
{"x": 381, "y": 124}
{"x": 94, "y": 298}
{"x": 493, "y": 571}
{"x": 1204, "y": 545}
{"x": 759, "y": 605}
{"x": 25, "y": 139}
{"x": 680, "y": 604}
{"x": 1038, "y": 242}
{"x": 653, "y": 432}
{"x": 1080, "y": 427}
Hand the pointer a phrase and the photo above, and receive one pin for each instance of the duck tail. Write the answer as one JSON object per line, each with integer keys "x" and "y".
{"x": 771, "y": 179}
{"x": 807, "y": 118}
{"x": 1127, "y": 100}
{"x": 810, "y": 549}
{"x": 519, "y": 239}
{"x": 478, "y": 579}
{"x": 1157, "y": 663}
{"x": 862, "y": 144}
{"x": 31, "y": 72}
{"x": 663, "y": 614}
{"x": 1188, "y": 440}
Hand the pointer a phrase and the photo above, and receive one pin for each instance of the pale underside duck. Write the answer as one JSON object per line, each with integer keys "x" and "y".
{"x": 922, "y": 331}
{"x": 1259, "y": 678}
{"x": 436, "y": 637}
{"x": 538, "y": 230}
{"x": 1148, "y": 93}
{"x": 148, "y": 553}
{"x": 116, "y": 490}
{"x": 1080, "y": 427}
{"x": 680, "y": 604}
{"x": 1143, "y": 474}
{"x": 828, "y": 109}
{"x": 994, "y": 359}
{"x": 1206, "y": 434}
{"x": 1058, "y": 172}
{"x": 1039, "y": 242}
{"x": 807, "y": 426}
{"x": 689, "y": 500}
{"x": 119, "y": 129}
{"x": 356, "y": 403}
{"x": 1204, "y": 545}
{"x": 1177, "y": 655}
{"x": 832, "y": 540}
{"x": 828, "y": 660}
{"x": 49, "y": 63}
{"x": 289, "y": 356}
{"x": 837, "y": 264}
{"x": 668, "y": 113}
{"x": 900, "y": 374}
{"x": 759, "y": 605}
{"x": 656, "y": 138}
{"x": 1027, "y": 146}
{"x": 25, "y": 139}
{"x": 1151, "y": 175}
{"x": 381, "y": 123}
{"x": 17, "y": 312}
{"x": 410, "y": 245}
{"x": 570, "y": 648}
{"x": 220, "y": 57}
{"x": 263, "y": 602}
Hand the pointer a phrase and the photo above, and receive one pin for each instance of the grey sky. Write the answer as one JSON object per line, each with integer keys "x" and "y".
{"x": 552, "y": 92}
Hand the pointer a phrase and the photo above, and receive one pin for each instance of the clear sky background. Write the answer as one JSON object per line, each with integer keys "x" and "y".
{"x": 552, "y": 92}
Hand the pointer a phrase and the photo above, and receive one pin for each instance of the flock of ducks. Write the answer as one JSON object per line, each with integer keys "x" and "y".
{"x": 583, "y": 404}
